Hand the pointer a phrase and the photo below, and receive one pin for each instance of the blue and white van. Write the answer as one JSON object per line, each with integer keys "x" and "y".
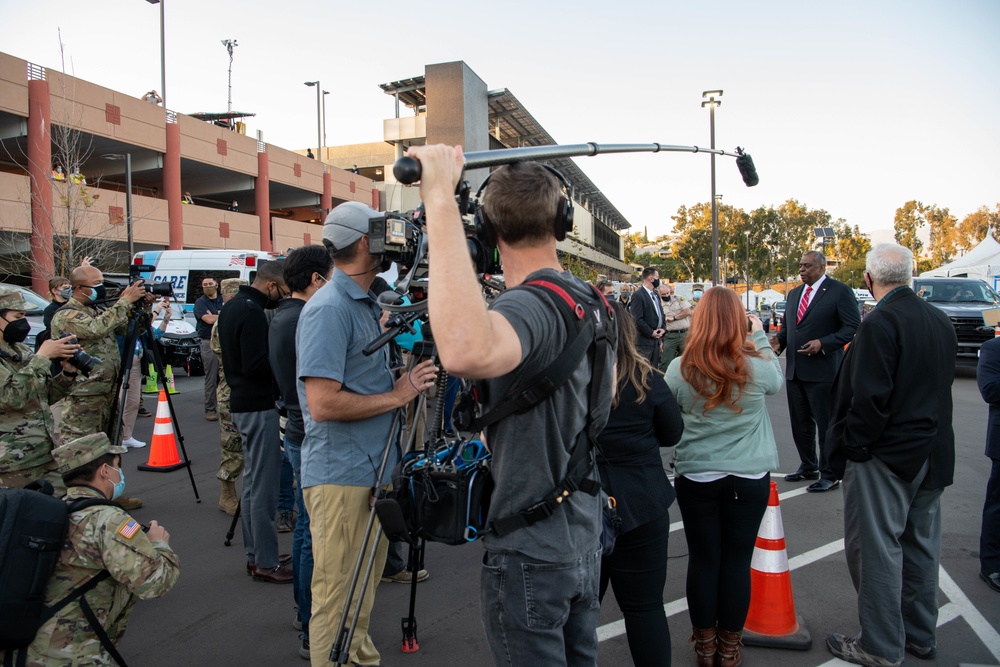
{"x": 185, "y": 269}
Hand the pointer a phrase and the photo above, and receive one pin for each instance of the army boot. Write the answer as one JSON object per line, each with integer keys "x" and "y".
{"x": 228, "y": 500}
{"x": 129, "y": 504}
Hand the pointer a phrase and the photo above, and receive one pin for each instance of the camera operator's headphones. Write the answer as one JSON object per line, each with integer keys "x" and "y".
{"x": 562, "y": 223}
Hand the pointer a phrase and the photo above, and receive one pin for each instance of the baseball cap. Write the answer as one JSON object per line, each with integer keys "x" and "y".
{"x": 231, "y": 285}
{"x": 12, "y": 299}
{"x": 347, "y": 223}
{"x": 82, "y": 451}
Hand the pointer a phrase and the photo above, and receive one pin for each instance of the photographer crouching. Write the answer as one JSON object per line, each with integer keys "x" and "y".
{"x": 92, "y": 396}
{"x": 553, "y": 562}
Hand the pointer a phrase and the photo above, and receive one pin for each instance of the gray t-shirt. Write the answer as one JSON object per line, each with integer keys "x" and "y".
{"x": 531, "y": 451}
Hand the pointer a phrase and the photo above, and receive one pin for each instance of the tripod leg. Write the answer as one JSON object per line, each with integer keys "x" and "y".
{"x": 232, "y": 526}
{"x": 409, "y": 623}
{"x": 158, "y": 364}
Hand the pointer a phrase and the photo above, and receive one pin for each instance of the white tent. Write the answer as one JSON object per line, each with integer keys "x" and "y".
{"x": 981, "y": 262}
{"x": 771, "y": 296}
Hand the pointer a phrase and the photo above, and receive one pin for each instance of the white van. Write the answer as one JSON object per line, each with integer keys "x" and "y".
{"x": 185, "y": 269}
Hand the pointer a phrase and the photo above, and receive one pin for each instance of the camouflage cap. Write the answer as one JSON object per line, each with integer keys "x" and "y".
{"x": 12, "y": 299}
{"x": 231, "y": 285}
{"x": 83, "y": 450}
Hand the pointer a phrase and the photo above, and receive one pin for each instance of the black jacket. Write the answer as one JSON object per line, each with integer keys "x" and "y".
{"x": 892, "y": 396}
{"x": 646, "y": 317}
{"x": 243, "y": 339}
{"x": 832, "y": 317}
{"x": 988, "y": 374}
{"x": 281, "y": 337}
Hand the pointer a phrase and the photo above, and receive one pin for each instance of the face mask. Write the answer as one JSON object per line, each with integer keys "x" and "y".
{"x": 697, "y": 294}
{"x": 16, "y": 331}
{"x": 98, "y": 293}
{"x": 656, "y": 283}
{"x": 273, "y": 303}
{"x": 667, "y": 298}
{"x": 120, "y": 486}
{"x": 65, "y": 294}
{"x": 210, "y": 291}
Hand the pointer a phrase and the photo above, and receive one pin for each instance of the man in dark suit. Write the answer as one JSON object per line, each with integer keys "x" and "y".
{"x": 891, "y": 440}
{"x": 989, "y": 538}
{"x": 821, "y": 317}
{"x": 647, "y": 310}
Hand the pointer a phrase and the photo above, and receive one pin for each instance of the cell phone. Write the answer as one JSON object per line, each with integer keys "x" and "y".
{"x": 803, "y": 346}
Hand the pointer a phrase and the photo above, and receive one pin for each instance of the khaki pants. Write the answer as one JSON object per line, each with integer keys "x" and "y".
{"x": 338, "y": 516}
{"x": 132, "y": 398}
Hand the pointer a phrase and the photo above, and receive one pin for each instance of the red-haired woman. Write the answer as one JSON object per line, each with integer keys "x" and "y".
{"x": 723, "y": 463}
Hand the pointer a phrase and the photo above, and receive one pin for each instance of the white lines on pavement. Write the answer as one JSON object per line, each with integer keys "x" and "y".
{"x": 617, "y": 628}
{"x": 986, "y": 633}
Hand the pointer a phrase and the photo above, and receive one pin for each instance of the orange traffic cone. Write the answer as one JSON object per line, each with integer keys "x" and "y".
{"x": 771, "y": 620}
{"x": 777, "y": 325}
{"x": 996, "y": 331}
{"x": 163, "y": 455}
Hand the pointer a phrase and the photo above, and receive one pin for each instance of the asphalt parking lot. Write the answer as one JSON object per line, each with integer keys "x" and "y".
{"x": 216, "y": 615}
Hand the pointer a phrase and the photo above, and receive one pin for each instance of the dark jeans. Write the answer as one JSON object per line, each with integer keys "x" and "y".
{"x": 286, "y": 488}
{"x": 637, "y": 571}
{"x": 989, "y": 537}
{"x": 302, "y": 554}
{"x": 395, "y": 558}
{"x": 721, "y": 520}
{"x": 540, "y": 613}
{"x": 809, "y": 411}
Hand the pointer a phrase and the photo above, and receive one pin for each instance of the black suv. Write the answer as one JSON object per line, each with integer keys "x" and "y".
{"x": 963, "y": 301}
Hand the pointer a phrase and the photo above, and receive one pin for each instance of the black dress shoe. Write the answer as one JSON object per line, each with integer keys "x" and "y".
{"x": 279, "y": 575}
{"x": 992, "y": 579}
{"x": 801, "y": 474}
{"x": 283, "y": 559}
{"x": 823, "y": 485}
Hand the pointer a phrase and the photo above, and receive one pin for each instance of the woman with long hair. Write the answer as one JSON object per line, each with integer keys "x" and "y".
{"x": 723, "y": 465}
{"x": 644, "y": 417}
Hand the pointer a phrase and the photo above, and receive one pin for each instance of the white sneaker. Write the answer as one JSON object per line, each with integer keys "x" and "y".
{"x": 132, "y": 443}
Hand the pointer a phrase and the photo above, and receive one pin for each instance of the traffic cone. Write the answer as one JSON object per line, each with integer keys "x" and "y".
{"x": 996, "y": 331}
{"x": 777, "y": 325}
{"x": 151, "y": 380}
{"x": 168, "y": 379}
{"x": 163, "y": 455}
{"x": 771, "y": 620}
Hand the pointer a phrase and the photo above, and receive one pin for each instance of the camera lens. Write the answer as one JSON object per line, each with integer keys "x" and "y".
{"x": 80, "y": 360}
{"x": 160, "y": 289}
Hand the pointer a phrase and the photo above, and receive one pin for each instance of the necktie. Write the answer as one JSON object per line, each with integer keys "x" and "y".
{"x": 803, "y": 304}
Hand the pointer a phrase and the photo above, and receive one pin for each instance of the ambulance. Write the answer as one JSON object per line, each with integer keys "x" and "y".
{"x": 185, "y": 269}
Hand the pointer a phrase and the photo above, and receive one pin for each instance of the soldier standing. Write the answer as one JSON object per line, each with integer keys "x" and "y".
{"x": 231, "y": 459}
{"x": 105, "y": 541}
{"x": 27, "y": 389}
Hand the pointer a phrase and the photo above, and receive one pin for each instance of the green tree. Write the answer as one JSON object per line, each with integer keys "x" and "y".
{"x": 908, "y": 220}
{"x": 977, "y": 224}
{"x": 851, "y": 245}
{"x": 944, "y": 234}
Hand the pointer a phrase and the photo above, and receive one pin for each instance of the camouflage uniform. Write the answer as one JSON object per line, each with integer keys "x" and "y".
{"x": 92, "y": 398}
{"x": 231, "y": 462}
{"x": 27, "y": 432}
{"x": 98, "y": 538}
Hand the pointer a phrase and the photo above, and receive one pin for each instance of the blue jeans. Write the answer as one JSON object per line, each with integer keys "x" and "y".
{"x": 286, "y": 495}
{"x": 302, "y": 554}
{"x": 539, "y": 613}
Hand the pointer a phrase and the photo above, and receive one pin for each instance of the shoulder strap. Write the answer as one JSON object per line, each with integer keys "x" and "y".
{"x": 582, "y": 458}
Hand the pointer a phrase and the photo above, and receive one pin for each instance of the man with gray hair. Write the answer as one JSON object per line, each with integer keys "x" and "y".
{"x": 891, "y": 441}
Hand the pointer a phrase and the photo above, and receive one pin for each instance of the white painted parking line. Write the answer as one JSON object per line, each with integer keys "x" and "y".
{"x": 986, "y": 632}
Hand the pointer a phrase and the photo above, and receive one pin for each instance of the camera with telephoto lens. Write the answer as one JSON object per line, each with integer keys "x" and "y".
{"x": 80, "y": 360}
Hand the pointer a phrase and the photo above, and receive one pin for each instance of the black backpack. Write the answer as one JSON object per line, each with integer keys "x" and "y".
{"x": 33, "y": 527}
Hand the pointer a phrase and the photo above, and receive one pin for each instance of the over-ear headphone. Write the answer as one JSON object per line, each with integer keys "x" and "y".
{"x": 562, "y": 223}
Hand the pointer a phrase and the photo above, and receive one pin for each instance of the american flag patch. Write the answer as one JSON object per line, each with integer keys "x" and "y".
{"x": 237, "y": 260}
{"x": 129, "y": 529}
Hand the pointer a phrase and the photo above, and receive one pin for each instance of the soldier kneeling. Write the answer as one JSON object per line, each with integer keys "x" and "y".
{"x": 106, "y": 543}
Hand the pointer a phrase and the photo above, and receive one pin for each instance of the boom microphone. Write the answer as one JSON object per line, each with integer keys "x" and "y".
{"x": 745, "y": 164}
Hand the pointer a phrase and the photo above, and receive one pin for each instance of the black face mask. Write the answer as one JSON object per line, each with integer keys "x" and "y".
{"x": 101, "y": 293}
{"x": 667, "y": 298}
{"x": 273, "y": 303}
{"x": 16, "y": 331}
{"x": 656, "y": 283}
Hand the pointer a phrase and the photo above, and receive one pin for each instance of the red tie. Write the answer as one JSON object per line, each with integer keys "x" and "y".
{"x": 803, "y": 304}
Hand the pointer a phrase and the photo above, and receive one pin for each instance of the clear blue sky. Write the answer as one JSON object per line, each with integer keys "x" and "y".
{"x": 854, "y": 107}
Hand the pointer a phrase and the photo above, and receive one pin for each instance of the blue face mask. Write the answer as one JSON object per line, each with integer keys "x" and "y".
{"x": 120, "y": 486}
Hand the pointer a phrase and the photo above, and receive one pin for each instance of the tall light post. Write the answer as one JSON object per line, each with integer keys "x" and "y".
{"x": 748, "y": 269}
{"x": 711, "y": 103}
{"x": 128, "y": 197}
{"x": 319, "y": 118}
{"x": 230, "y": 44}
{"x": 325, "y": 93}
{"x": 163, "y": 57}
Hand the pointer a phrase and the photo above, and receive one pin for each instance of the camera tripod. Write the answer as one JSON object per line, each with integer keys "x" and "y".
{"x": 139, "y": 324}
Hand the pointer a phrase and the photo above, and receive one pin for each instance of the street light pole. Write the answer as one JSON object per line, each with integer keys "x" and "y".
{"x": 325, "y": 93}
{"x": 711, "y": 103}
{"x": 748, "y": 270}
{"x": 163, "y": 56}
{"x": 319, "y": 118}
